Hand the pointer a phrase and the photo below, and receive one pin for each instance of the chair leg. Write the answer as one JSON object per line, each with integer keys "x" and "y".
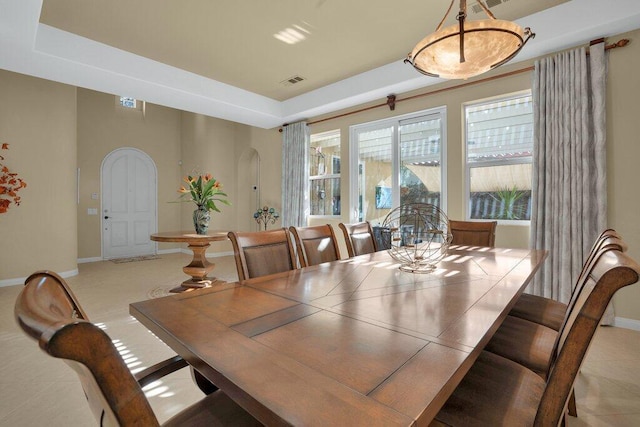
{"x": 573, "y": 410}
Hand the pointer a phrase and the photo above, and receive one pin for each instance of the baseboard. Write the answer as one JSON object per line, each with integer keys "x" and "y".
{"x": 622, "y": 322}
{"x": 20, "y": 280}
{"x": 86, "y": 260}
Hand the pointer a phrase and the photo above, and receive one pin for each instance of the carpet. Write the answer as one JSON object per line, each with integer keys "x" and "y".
{"x": 134, "y": 259}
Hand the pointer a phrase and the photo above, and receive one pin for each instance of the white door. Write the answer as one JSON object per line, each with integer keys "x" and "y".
{"x": 129, "y": 203}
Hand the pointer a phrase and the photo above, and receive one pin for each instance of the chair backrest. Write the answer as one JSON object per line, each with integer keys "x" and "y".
{"x": 48, "y": 312}
{"x": 608, "y": 239}
{"x": 63, "y": 286}
{"x": 316, "y": 244}
{"x": 359, "y": 238}
{"x": 262, "y": 253}
{"x": 473, "y": 233}
{"x": 611, "y": 270}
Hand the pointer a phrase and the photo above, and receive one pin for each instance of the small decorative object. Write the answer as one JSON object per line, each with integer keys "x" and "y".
{"x": 10, "y": 184}
{"x": 204, "y": 191}
{"x": 419, "y": 236}
{"x": 201, "y": 218}
{"x": 266, "y": 215}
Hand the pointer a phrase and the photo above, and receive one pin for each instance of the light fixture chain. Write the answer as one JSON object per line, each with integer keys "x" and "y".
{"x": 462, "y": 14}
{"x": 486, "y": 9}
{"x": 445, "y": 16}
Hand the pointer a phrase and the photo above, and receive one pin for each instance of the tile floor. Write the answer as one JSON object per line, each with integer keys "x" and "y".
{"x": 38, "y": 390}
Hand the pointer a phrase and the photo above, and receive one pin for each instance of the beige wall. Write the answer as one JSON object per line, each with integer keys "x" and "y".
{"x": 38, "y": 121}
{"x": 623, "y": 154}
{"x": 231, "y": 152}
{"x": 268, "y": 144}
{"x": 103, "y": 127}
{"x": 208, "y": 146}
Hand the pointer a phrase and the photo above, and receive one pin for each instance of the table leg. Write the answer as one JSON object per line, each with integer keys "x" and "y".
{"x": 198, "y": 269}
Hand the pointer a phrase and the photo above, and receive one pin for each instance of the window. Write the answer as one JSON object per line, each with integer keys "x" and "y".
{"x": 499, "y": 145}
{"x": 395, "y": 162}
{"x": 324, "y": 174}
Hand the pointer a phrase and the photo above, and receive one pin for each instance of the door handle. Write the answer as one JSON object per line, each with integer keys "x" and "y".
{"x": 106, "y": 217}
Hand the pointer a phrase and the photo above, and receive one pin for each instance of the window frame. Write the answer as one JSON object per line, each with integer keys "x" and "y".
{"x": 489, "y": 163}
{"x": 311, "y": 178}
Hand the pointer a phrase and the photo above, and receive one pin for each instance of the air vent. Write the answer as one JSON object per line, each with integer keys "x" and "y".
{"x": 476, "y": 8}
{"x": 292, "y": 80}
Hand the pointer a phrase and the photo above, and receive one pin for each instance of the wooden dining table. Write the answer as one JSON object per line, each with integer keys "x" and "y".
{"x": 351, "y": 342}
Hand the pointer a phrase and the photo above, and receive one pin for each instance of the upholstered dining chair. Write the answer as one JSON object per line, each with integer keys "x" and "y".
{"x": 533, "y": 344}
{"x": 359, "y": 238}
{"x": 547, "y": 311}
{"x": 473, "y": 233}
{"x": 261, "y": 253}
{"x": 316, "y": 244}
{"x": 47, "y": 311}
{"x": 498, "y": 391}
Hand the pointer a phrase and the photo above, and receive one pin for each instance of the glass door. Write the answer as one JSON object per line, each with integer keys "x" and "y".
{"x": 375, "y": 179}
{"x": 421, "y": 160}
{"x": 397, "y": 161}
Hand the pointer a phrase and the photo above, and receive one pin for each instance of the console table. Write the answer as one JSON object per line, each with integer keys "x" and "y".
{"x": 200, "y": 267}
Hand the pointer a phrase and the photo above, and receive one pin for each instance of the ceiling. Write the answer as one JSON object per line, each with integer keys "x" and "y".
{"x": 223, "y": 59}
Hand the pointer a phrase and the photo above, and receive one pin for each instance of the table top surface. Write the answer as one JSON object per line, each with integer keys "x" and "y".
{"x": 352, "y": 342}
{"x": 189, "y": 236}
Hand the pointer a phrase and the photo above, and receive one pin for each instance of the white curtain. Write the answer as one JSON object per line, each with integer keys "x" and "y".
{"x": 569, "y": 165}
{"x": 295, "y": 197}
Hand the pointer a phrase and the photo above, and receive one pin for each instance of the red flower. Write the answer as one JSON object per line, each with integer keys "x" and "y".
{"x": 11, "y": 184}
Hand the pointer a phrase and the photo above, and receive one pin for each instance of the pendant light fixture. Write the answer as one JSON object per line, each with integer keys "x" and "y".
{"x": 468, "y": 48}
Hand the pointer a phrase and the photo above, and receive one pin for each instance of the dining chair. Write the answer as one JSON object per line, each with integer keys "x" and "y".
{"x": 547, "y": 311}
{"x": 500, "y": 392}
{"x": 532, "y": 344}
{"x": 473, "y": 233}
{"x": 176, "y": 362}
{"x": 261, "y": 253}
{"x": 316, "y": 244}
{"x": 359, "y": 238}
{"x": 47, "y": 311}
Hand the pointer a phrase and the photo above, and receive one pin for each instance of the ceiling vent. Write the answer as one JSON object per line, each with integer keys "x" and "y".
{"x": 292, "y": 80}
{"x": 476, "y": 8}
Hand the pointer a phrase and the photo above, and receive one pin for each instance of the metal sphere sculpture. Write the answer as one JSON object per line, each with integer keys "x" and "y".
{"x": 417, "y": 235}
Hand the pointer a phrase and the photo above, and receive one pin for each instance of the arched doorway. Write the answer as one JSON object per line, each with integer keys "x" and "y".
{"x": 128, "y": 179}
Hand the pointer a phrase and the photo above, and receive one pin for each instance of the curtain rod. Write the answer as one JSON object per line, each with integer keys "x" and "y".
{"x": 392, "y": 100}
